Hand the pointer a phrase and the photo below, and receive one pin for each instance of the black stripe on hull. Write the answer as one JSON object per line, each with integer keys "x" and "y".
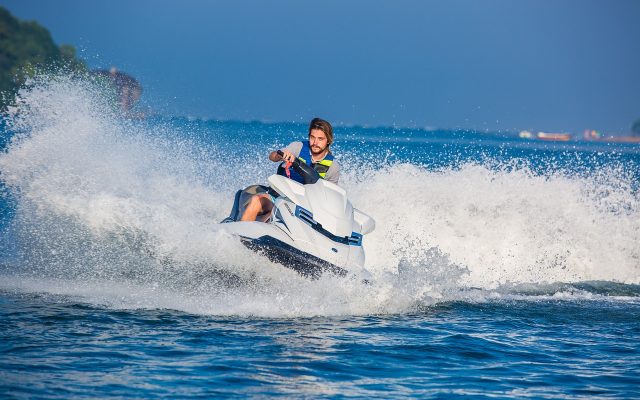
{"x": 288, "y": 256}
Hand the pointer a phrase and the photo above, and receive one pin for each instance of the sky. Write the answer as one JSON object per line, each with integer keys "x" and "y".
{"x": 495, "y": 65}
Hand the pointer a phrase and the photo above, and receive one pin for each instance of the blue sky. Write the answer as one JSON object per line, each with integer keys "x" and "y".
{"x": 489, "y": 65}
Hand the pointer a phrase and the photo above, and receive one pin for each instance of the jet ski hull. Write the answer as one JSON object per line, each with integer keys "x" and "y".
{"x": 290, "y": 257}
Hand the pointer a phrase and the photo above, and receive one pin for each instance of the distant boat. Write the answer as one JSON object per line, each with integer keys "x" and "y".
{"x": 598, "y": 137}
{"x": 555, "y": 137}
{"x": 525, "y": 135}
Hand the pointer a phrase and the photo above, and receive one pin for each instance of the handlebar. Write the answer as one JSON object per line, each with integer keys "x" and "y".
{"x": 281, "y": 154}
{"x": 307, "y": 172}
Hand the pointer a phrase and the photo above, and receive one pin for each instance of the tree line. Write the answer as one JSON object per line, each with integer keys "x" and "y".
{"x": 26, "y": 47}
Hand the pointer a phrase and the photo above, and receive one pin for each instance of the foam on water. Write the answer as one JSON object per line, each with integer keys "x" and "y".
{"x": 506, "y": 225}
{"x": 125, "y": 214}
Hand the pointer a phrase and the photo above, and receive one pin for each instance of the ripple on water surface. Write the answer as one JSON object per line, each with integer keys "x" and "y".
{"x": 55, "y": 346}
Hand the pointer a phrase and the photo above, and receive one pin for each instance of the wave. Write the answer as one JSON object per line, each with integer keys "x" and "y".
{"x": 506, "y": 226}
{"x": 126, "y": 213}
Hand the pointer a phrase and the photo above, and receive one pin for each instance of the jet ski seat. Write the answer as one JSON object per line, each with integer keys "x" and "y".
{"x": 242, "y": 199}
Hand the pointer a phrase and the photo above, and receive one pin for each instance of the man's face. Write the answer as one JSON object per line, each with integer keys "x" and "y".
{"x": 317, "y": 141}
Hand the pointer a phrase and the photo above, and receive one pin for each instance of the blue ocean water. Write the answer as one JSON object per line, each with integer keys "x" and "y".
{"x": 502, "y": 267}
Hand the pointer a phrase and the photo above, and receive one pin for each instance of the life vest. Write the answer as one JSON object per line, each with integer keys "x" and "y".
{"x": 321, "y": 166}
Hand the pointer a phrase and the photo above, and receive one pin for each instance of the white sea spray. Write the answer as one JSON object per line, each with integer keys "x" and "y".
{"x": 126, "y": 214}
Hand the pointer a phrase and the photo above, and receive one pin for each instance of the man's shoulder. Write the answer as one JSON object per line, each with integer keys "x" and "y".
{"x": 295, "y": 148}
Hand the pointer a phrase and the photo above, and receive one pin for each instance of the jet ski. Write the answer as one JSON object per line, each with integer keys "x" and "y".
{"x": 312, "y": 229}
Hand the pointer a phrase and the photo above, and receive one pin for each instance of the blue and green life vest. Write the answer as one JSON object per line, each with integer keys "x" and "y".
{"x": 321, "y": 166}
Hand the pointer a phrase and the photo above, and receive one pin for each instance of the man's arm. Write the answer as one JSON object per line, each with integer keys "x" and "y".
{"x": 293, "y": 150}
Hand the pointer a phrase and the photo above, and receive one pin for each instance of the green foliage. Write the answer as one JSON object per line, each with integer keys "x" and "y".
{"x": 27, "y": 47}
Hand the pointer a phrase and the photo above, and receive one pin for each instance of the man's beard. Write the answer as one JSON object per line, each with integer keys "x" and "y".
{"x": 315, "y": 153}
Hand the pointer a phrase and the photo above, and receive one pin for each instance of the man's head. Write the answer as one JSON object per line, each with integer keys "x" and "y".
{"x": 320, "y": 136}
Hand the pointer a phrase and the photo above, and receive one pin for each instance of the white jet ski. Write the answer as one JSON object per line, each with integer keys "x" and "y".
{"x": 312, "y": 229}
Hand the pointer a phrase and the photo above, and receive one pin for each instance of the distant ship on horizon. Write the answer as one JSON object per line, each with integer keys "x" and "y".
{"x": 594, "y": 135}
{"x": 589, "y": 134}
{"x": 556, "y": 137}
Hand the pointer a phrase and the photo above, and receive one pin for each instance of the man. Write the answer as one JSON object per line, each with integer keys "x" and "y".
{"x": 314, "y": 152}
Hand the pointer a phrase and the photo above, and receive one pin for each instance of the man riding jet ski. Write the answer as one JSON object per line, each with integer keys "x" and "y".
{"x": 304, "y": 220}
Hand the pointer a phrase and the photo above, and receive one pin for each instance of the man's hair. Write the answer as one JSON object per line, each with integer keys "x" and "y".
{"x": 324, "y": 126}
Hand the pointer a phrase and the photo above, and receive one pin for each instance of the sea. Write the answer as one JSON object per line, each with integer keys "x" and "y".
{"x": 501, "y": 267}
